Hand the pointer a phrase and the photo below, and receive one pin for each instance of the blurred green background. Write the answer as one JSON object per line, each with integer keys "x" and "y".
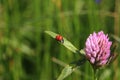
{"x": 27, "y": 53}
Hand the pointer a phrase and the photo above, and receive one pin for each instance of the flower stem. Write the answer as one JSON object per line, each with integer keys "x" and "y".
{"x": 95, "y": 73}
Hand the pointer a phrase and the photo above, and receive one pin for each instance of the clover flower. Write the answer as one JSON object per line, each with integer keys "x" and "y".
{"x": 97, "y": 49}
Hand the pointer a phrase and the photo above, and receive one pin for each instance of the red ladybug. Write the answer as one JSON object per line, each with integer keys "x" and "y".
{"x": 59, "y": 38}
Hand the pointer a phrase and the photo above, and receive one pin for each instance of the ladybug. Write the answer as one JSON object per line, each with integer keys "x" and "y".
{"x": 59, "y": 38}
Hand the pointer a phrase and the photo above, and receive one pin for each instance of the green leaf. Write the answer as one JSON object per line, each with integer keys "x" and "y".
{"x": 65, "y": 72}
{"x": 116, "y": 38}
{"x": 66, "y": 43}
{"x": 52, "y": 34}
{"x": 82, "y": 51}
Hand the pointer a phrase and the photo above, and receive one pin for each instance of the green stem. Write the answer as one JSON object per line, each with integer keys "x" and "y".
{"x": 95, "y": 73}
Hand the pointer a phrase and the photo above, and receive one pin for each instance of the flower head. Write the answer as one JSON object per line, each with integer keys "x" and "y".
{"x": 97, "y": 48}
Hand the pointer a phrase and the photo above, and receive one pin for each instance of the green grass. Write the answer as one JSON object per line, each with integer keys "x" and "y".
{"x": 26, "y": 52}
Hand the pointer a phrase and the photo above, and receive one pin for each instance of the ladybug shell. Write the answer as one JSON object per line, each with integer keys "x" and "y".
{"x": 59, "y": 38}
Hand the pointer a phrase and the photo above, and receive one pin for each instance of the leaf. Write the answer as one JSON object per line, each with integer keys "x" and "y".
{"x": 66, "y": 43}
{"x": 79, "y": 62}
{"x": 65, "y": 72}
{"x": 116, "y": 38}
{"x": 82, "y": 51}
{"x": 52, "y": 34}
